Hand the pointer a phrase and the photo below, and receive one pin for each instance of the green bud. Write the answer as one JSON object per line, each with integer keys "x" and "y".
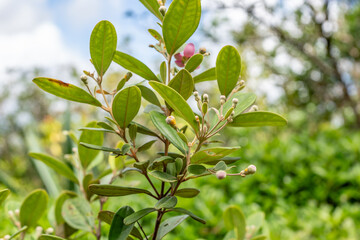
{"x": 204, "y": 108}
{"x": 84, "y": 78}
{"x": 205, "y": 98}
{"x": 162, "y": 10}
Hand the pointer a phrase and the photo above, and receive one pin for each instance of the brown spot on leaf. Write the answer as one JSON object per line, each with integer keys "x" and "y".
{"x": 61, "y": 83}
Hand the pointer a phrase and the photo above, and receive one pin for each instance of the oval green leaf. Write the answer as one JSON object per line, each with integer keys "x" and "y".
{"x": 187, "y": 192}
{"x": 234, "y": 219}
{"x": 115, "y": 191}
{"x": 146, "y": 146}
{"x": 138, "y": 215}
{"x": 57, "y": 165}
{"x": 50, "y": 237}
{"x": 196, "y": 169}
{"x": 176, "y": 102}
{"x": 228, "y": 66}
{"x": 194, "y": 62}
{"x": 183, "y": 83}
{"x": 156, "y": 35}
{"x": 166, "y": 202}
{"x": 33, "y": 207}
{"x": 126, "y": 105}
{"x": 180, "y": 22}
{"x": 106, "y": 216}
{"x": 118, "y": 230}
{"x": 87, "y": 155}
{"x": 245, "y": 100}
{"x": 208, "y": 75}
{"x": 103, "y": 41}
{"x": 163, "y": 176}
{"x": 3, "y": 195}
{"x": 77, "y": 213}
{"x": 170, "y": 133}
{"x": 153, "y": 6}
{"x": 66, "y": 91}
{"x": 163, "y": 71}
{"x": 169, "y": 224}
{"x": 59, "y": 204}
{"x": 134, "y": 65}
{"x": 193, "y": 216}
{"x": 211, "y": 154}
{"x": 258, "y": 119}
{"x": 149, "y": 95}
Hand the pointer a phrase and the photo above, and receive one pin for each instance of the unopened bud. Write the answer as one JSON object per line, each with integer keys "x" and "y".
{"x": 202, "y": 50}
{"x": 38, "y": 230}
{"x": 11, "y": 213}
{"x": 204, "y": 108}
{"x": 241, "y": 83}
{"x": 7, "y": 237}
{"x": 128, "y": 76}
{"x": 254, "y": 108}
{"x": 171, "y": 120}
{"x": 49, "y": 230}
{"x": 87, "y": 73}
{"x": 221, "y": 174}
{"x": 196, "y": 95}
{"x": 83, "y": 78}
{"x": 234, "y": 101}
{"x": 17, "y": 212}
{"x": 206, "y": 98}
{"x": 222, "y": 99}
{"x": 162, "y": 10}
{"x": 197, "y": 118}
{"x": 250, "y": 169}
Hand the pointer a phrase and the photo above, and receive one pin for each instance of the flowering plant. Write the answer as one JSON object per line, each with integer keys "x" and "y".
{"x": 186, "y": 134}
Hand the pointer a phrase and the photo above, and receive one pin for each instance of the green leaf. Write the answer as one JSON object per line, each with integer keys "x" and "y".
{"x": 194, "y": 62}
{"x": 106, "y": 216}
{"x": 33, "y": 207}
{"x": 221, "y": 165}
{"x": 176, "y": 102}
{"x": 196, "y": 169}
{"x": 23, "y": 229}
{"x": 134, "y": 65}
{"x": 153, "y": 6}
{"x": 166, "y": 202}
{"x": 89, "y": 137}
{"x": 156, "y": 35}
{"x": 170, "y": 133}
{"x": 187, "y": 192}
{"x": 138, "y": 215}
{"x": 97, "y": 130}
{"x": 78, "y": 214}
{"x": 207, "y": 75}
{"x": 227, "y": 160}
{"x": 163, "y": 71}
{"x": 126, "y": 105}
{"x": 105, "y": 149}
{"x": 57, "y": 165}
{"x": 234, "y": 219}
{"x": 180, "y": 22}
{"x": 160, "y": 162}
{"x": 260, "y": 237}
{"x": 3, "y": 195}
{"x": 59, "y": 204}
{"x": 50, "y": 237}
{"x": 144, "y": 130}
{"x": 162, "y": 176}
{"x": 169, "y": 224}
{"x": 245, "y": 101}
{"x": 228, "y": 66}
{"x": 142, "y": 165}
{"x": 103, "y": 41}
{"x": 66, "y": 91}
{"x": 118, "y": 230}
{"x": 211, "y": 154}
{"x": 258, "y": 119}
{"x": 115, "y": 191}
{"x": 193, "y": 216}
{"x": 146, "y": 146}
{"x": 149, "y": 95}
{"x": 183, "y": 83}
{"x": 105, "y": 125}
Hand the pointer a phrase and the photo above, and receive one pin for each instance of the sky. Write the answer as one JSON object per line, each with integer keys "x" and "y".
{"x": 52, "y": 33}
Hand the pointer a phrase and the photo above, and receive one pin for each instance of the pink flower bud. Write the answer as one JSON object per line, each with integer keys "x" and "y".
{"x": 221, "y": 174}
